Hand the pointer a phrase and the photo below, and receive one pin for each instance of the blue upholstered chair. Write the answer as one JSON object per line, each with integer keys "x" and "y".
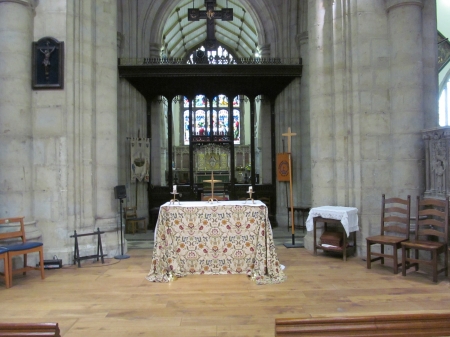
{"x": 19, "y": 246}
{"x": 4, "y": 257}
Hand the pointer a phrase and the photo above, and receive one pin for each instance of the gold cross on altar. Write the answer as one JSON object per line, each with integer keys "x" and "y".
{"x": 212, "y": 181}
{"x": 289, "y": 134}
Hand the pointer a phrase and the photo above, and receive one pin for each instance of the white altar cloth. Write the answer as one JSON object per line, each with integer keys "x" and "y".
{"x": 347, "y": 215}
{"x": 255, "y": 203}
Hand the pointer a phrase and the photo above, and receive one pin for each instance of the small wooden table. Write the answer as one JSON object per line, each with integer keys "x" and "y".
{"x": 345, "y": 216}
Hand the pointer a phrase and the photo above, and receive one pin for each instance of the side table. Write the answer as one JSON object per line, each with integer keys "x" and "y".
{"x": 347, "y": 217}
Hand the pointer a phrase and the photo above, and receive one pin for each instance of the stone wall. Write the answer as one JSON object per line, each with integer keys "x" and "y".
{"x": 59, "y": 147}
{"x": 369, "y": 69}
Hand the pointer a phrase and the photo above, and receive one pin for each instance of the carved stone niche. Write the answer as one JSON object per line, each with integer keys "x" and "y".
{"x": 437, "y": 145}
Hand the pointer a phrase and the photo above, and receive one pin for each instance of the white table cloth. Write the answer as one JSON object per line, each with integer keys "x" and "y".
{"x": 347, "y": 215}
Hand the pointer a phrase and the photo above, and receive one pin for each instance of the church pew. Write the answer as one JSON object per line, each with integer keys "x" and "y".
{"x": 411, "y": 325}
{"x": 29, "y": 329}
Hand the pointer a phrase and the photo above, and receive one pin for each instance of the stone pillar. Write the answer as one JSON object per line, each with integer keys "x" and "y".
{"x": 155, "y": 50}
{"x": 430, "y": 66}
{"x": 265, "y": 51}
{"x": 304, "y": 156}
{"x": 265, "y": 140}
{"x": 320, "y": 22}
{"x": 406, "y": 94}
{"x": 16, "y": 35}
{"x": 91, "y": 136}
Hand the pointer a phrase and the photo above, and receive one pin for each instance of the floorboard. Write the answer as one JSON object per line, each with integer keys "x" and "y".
{"x": 115, "y": 299}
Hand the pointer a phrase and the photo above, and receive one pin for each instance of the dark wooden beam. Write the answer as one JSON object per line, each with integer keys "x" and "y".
{"x": 210, "y": 80}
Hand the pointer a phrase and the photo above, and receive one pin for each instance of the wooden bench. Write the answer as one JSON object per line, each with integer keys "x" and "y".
{"x": 29, "y": 329}
{"x": 410, "y": 325}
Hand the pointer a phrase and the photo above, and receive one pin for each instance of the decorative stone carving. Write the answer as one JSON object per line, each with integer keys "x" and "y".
{"x": 437, "y": 144}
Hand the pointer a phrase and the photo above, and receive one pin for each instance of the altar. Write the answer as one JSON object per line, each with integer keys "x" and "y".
{"x": 225, "y": 237}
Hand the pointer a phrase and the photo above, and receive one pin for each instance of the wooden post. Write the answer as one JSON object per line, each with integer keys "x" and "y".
{"x": 289, "y": 134}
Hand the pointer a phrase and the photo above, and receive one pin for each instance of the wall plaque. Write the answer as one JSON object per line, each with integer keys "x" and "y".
{"x": 48, "y": 64}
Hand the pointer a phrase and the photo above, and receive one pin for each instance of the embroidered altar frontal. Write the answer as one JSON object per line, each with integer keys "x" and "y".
{"x": 226, "y": 237}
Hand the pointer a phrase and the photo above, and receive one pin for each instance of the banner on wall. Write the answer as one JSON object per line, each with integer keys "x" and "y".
{"x": 140, "y": 159}
{"x": 283, "y": 166}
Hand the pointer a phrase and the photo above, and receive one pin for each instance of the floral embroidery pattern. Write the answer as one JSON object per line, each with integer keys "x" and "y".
{"x": 220, "y": 239}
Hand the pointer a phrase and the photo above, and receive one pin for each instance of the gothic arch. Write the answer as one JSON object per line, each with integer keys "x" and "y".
{"x": 158, "y": 11}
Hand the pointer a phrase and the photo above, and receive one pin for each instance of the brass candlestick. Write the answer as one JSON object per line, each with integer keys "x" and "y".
{"x": 250, "y": 192}
{"x": 173, "y": 200}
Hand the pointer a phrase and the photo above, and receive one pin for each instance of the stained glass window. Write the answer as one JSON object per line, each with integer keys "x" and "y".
{"x": 203, "y": 125}
{"x": 219, "y": 56}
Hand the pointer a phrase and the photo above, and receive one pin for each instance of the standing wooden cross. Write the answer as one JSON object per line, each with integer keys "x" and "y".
{"x": 212, "y": 181}
{"x": 289, "y": 134}
{"x": 195, "y": 14}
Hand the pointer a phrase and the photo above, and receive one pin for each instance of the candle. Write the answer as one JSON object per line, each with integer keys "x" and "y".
{"x": 250, "y": 189}
{"x": 174, "y": 188}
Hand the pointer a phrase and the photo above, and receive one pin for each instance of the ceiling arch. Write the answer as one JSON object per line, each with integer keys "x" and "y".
{"x": 180, "y": 36}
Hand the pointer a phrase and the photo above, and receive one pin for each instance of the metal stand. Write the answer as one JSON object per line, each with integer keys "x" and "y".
{"x": 293, "y": 245}
{"x": 122, "y": 256}
{"x": 172, "y": 201}
{"x": 251, "y": 199}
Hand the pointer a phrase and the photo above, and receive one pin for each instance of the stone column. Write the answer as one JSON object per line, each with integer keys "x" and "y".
{"x": 16, "y": 35}
{"x": 406, "y": 94}
{"x": 304, "y": 157}
{"x": 430, "y": 66}
{"x": 320, "y": 29}
{"x": 265, "y": 51}
{"x": 155, "y": 50}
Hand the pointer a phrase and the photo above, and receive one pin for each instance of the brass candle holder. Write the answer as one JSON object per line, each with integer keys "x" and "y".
{"x": 174, "y": 193}
{"x": 250, "y": 192}
{"x": 173, "y": 200}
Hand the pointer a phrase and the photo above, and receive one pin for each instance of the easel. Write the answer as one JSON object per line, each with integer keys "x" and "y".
{"x": 289, "y": 134}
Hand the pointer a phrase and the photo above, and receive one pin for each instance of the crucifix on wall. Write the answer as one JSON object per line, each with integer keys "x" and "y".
{"x": 210, "y": 14}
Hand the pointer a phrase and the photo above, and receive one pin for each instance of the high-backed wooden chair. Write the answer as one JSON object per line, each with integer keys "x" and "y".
{"x": 4, "y": 257}
{"x": 431, "y": 236}
{"x": 395, "y": 229}
{"x": 133, "y": 223}
{"x": 23, "y": 247}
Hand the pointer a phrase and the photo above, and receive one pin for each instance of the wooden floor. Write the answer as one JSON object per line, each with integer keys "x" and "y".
{"x": 115, "y": 299}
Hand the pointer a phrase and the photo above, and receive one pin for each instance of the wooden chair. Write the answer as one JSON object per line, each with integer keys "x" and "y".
{"x": 24, "y": 248}
{"x": 431, "y": 236}
{"x": 4, "y": 257}
{"x": 133, "y": 223}
{"x": 395, "y": 229}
